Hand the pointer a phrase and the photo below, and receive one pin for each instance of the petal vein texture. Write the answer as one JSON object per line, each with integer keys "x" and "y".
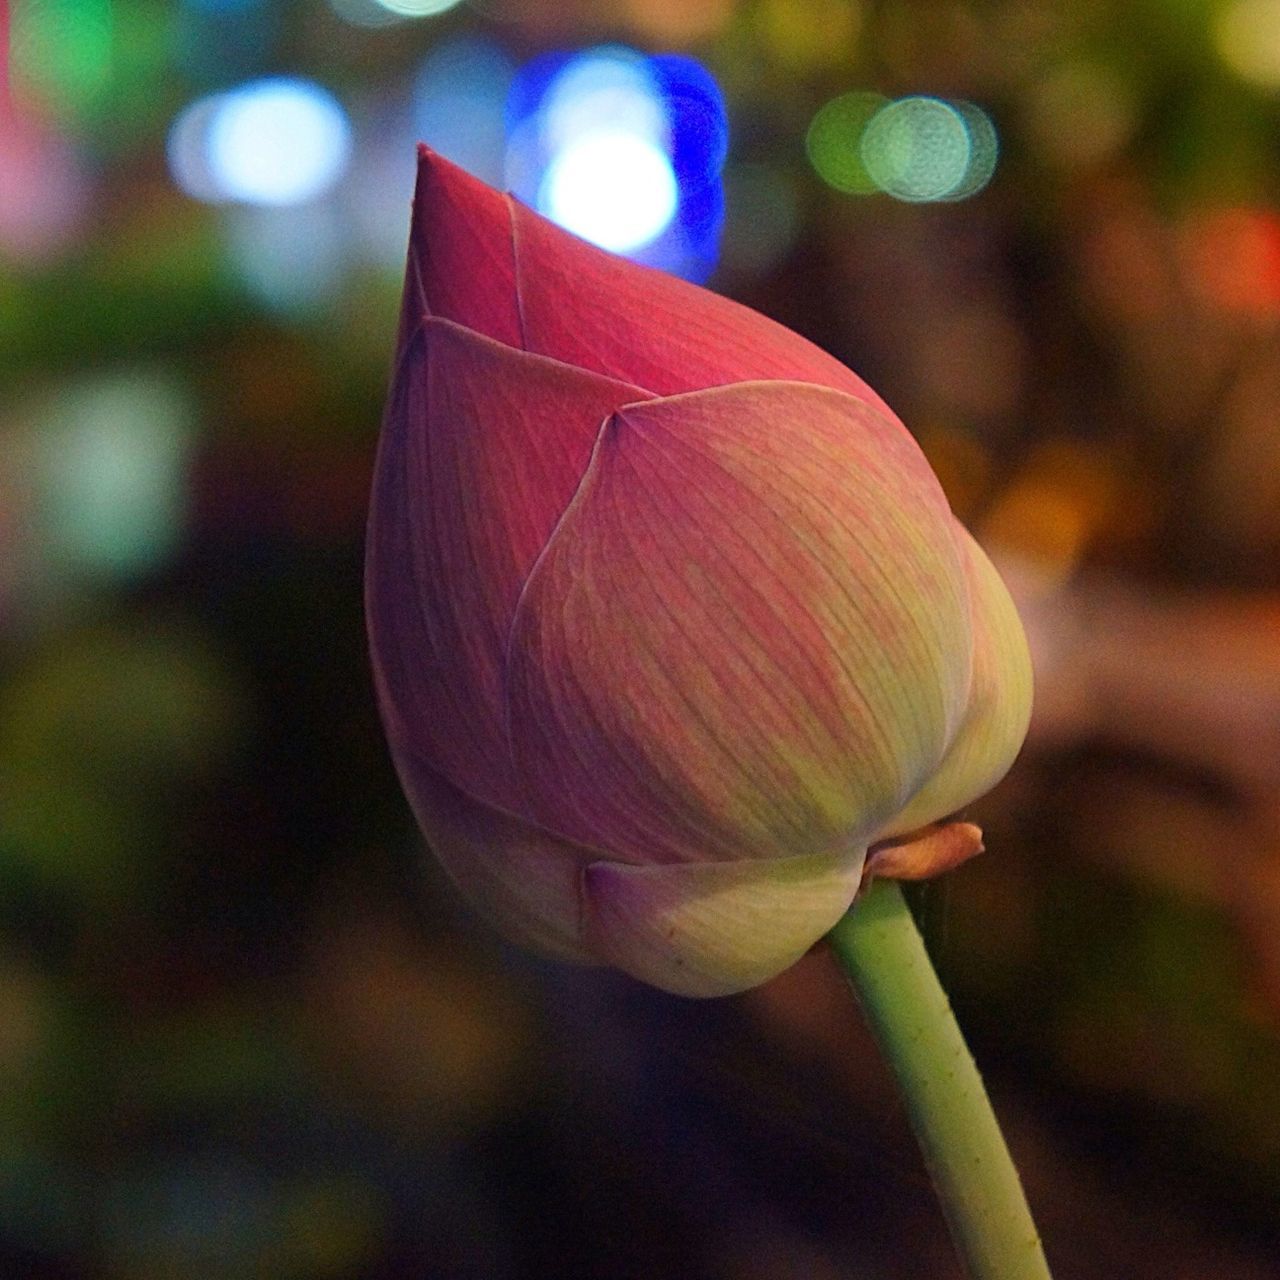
{"x": 669, "y": 619}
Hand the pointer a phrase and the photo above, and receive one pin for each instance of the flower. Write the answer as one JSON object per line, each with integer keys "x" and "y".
{"x": 670, "y": 621}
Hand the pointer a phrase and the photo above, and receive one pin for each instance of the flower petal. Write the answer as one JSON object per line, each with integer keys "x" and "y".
{"x": 713, "y": 928}
{"x": 999, "y": 709}
{"x": 461, "y": 256}
{"x": 748, "y": 637}
{"x": 653, "y": 329}
{"x": 525, "y": 882}
{"x": 481, "y": 452}
{"x": 559, "y": 296}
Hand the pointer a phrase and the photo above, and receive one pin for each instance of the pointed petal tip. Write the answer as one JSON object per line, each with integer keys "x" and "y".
{"x": 461, "y": 254}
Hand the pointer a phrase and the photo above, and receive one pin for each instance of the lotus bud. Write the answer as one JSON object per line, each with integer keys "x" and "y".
{"x": 675, "y": 637}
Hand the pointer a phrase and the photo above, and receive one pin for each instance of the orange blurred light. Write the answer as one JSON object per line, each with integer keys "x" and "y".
{"x": 1232, "y": 258}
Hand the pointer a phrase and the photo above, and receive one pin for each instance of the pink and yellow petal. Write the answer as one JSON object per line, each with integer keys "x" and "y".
{"x": 482, "y": 450}
{"x": 748, "y": 637}
{"x": 711, "y": 929}
{"x": 999, "y": 705}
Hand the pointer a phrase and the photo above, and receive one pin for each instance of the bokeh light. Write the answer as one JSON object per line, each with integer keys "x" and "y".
{"x": 114, "y": 489}
{"x": 418, "y": 8}
{"x": 60, "y": 54}
{"x": 624, "y": 150}
{"x": 834, "y": 139}
{"x": 1232, "y": 259}
{"x": 187, "y": 149}
{"x": 678, "y": 22}
{"x": 984, "y": 151}
{"x": 917, "y": 149}
{"x": 364, "y": 13}
{"x": 610, "y": 187}
{"x": 278, "y": 142}
{"x": 696, "y": 116}
{"x": 44, "y": 191}
{"x": 610, "y": 89}
{"x": 803, "y": 37}
{"x": 1080, "y": 113}
{"x": 270, "y": 142}
{"x": 1247, "y": 35}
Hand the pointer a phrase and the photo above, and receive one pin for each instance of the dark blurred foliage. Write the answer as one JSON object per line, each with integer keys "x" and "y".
{"x": 246, "y": 1030}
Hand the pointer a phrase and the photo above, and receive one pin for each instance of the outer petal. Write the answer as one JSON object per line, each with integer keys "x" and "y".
{"x": 526, "y": 882}
{"x": 748, "y": 637}
{"x": 481, "y": 452}
{"x": 462, "y": 263}
{"x": 713, "y": 928}
{"x": 999, "y": 707}
{"x": 562, "y": 297}
{"x": 598, "y": 311}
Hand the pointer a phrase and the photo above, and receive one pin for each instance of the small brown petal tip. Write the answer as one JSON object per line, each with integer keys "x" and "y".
{"x": 924, "y": 853}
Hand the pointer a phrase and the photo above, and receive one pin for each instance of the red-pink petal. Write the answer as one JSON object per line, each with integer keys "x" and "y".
{"x": 561, "y": 297}
{"x": 748, "y": 637}
{"x": 598, "y": 311}
{"x": 482, "y": 449}
{"x": 461, "y": 258}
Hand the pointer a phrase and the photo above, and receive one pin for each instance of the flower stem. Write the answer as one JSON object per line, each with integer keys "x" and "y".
{"x": 880, "y": 950}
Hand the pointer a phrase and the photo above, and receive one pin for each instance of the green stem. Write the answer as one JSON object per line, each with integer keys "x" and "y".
{"x": 879, "y": 948}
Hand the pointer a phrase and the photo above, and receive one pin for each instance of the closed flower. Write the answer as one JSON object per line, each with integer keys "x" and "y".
{"x": 670, "y": 621}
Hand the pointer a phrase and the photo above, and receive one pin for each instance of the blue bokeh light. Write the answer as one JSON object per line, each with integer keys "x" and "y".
{"x": 625, "y": 150}
{"x": 699, "y": 124}
{"x": 611, "y": 89}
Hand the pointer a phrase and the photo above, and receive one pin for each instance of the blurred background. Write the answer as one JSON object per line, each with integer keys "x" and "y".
{"x": 245, "y": 1029}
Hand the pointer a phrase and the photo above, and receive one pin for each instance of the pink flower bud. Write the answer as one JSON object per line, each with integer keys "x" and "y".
{"x": 670, "y": 620}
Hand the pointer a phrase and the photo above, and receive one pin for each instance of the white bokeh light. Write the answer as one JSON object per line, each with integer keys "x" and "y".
{"x": 917, "y": 149}
{"x": 418, "y": 8}
{"x": 611, "y": 187}
{"x": 609, "y": 90}
{"x": 187, "y": 149}
{"x": 276, "y": 142}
